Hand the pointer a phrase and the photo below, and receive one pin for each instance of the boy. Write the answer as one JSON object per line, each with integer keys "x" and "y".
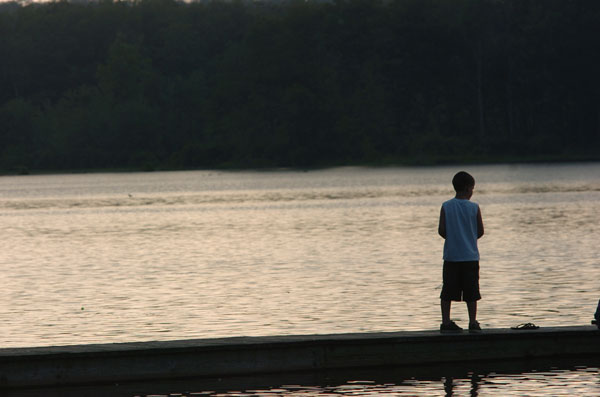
{"x": 461, "y": 225}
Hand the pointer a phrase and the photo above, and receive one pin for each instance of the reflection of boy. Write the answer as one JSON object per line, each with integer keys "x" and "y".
{"x": 460, "y": 225}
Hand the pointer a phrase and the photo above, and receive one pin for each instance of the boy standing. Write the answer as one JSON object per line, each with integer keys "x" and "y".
{"x": 460, "y": 225}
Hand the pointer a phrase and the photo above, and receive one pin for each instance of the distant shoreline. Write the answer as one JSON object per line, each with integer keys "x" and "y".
{"x": 424, "y": 161}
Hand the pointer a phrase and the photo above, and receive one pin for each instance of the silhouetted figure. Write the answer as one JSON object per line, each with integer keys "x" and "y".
{"x": 460, "y": 225}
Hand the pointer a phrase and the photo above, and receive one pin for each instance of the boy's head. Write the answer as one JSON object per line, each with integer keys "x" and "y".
{"x": 463, "y": 181}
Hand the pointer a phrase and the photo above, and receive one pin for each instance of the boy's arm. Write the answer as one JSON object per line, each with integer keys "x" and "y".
{"x": 479, "y": 223}
{"x": 442, "y": 224}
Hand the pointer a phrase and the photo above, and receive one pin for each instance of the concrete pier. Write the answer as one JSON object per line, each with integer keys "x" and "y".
{"x": 128, "y": 362}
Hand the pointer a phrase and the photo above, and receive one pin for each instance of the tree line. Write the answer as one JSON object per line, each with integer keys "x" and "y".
{"x": 162, "y": 84}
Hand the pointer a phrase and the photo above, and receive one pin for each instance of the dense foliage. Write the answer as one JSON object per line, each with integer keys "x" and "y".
{"x": 163, "y": 84}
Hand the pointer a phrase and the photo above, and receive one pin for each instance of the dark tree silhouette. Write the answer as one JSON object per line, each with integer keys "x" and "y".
{"x": 164, "y": 84}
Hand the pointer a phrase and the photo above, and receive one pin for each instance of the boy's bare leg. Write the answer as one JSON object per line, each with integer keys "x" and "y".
{"x": 445, "y": 305}
{"x": 472, "y": 309}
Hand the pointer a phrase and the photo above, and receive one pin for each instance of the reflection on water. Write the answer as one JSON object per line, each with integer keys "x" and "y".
{"x": 500, "y": 378}
{"x": 158, "y": 256}
{"x": 577, "y": 382}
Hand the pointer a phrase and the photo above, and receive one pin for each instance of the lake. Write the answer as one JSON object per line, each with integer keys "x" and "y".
{"x": 98, "y": 258}
{"x": 544, "y": 380}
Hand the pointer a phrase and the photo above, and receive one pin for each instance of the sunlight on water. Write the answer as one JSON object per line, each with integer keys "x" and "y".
{"x": 132, "y": 257}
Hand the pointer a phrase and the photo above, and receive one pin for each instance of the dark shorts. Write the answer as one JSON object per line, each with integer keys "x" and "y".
{"x": 461, "y": 281}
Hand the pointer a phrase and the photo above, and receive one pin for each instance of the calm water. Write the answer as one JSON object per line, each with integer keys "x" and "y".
{"x": 157, "y": 256}
{"x": 580, "y": 381}
{"x": 577, "y": 382}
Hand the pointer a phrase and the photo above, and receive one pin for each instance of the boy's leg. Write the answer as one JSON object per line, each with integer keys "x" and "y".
{"x": 447, "y": 324}
{"x": 450, "y": 289}
{"x": 471, "y": 290}
{"x": 472, "y": 309}
{"x": 445, "y": 305}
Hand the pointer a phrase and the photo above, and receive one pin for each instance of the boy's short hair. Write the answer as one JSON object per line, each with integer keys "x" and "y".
{"x": 462, "y": 181}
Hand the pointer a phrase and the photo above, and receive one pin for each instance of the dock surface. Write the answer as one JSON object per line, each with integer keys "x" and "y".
{"x": 222, "y": 357}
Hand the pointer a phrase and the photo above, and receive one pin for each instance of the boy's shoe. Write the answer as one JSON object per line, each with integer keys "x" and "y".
{"x": 474, "y": 327}
{"x": 450, "y": 327}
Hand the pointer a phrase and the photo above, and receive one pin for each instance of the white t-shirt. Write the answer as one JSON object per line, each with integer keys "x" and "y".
{"x": 461, "y": 230}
